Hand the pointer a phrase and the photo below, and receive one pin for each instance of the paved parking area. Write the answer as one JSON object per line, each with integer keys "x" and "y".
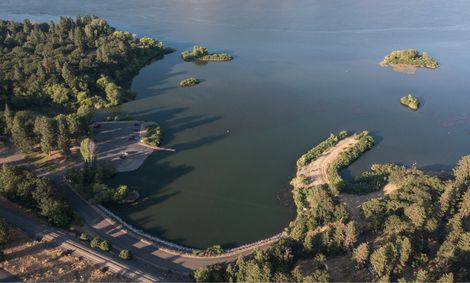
{"x": 116, "y": 139}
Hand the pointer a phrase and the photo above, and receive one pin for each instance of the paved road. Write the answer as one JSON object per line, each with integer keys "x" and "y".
{"x": 58, "y": 237}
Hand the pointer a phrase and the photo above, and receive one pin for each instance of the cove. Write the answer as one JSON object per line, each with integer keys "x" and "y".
{"x": 301, "y": 70}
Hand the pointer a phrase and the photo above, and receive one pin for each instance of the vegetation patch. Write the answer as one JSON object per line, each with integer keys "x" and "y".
{"x": 410, "y": 101}
{"x": 153, "y": 135}
{"x": 201, "y": 53}
{"x": 20, "y": 186}
{"x": 189, "y": 82}
{"x": 410, "y": 57}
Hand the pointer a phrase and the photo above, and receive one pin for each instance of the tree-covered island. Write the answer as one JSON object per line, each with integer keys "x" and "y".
{"x": 410, "y": 101}
{"x": 201, "y": 53}
{"x": 189, "y": 82}
{"x": 410, "y": 58}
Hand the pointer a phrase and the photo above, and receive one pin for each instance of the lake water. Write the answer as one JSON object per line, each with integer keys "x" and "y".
{"x": 302, "y": 69}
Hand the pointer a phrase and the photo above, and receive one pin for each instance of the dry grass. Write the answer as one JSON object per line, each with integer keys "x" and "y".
{"x": 34, "y": 261}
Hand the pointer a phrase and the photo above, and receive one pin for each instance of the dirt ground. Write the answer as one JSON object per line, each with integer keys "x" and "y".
{"x": 317, "y": 171}
{"x": 32, "y": 260}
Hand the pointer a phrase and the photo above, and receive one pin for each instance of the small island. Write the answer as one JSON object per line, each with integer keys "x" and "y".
{"x": 410, "y": 101}
{"x": 201, "y": 53}
{"x": 407, "y": 61}
{"x": 192, "y": 81}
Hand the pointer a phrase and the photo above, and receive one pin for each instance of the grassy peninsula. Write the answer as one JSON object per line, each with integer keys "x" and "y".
{"x": 201, "y": 53}
{"x": 410, "y": 57}
{"x": 189, "y": 82}
{"x": 410, "y": 101}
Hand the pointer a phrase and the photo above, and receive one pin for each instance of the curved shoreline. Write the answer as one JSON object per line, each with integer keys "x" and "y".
{"x": 316, "y": 171}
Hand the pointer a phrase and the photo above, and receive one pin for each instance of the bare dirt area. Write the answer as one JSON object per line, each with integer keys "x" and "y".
{"x": 317, "y": 171}
{"x": 118, "y": 144}
{"x": 34, "y": 261}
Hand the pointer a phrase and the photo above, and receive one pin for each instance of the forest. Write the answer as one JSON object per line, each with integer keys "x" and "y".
{"x": 420, "y": 232}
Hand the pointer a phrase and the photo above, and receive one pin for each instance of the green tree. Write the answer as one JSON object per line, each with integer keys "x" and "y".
{"x": 95, "y": 242}
{"x": 104, "y": 246}
{"x": 4, "y": 232}
{"x": 22, "y": 131}
{"x": 63, "y": 135}
{"x": 125, "y": 254}
{"x": 202, "y": 274}
{"x": 87, "y": 149}
{"x": 8, "y": 115}
{"x": 383, "y": 258}
{"x": 45, "y": 128}
{"x": 361, "y": 254}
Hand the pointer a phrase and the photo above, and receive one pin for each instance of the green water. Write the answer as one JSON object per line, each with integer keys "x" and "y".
{"x": 302, "y": 69}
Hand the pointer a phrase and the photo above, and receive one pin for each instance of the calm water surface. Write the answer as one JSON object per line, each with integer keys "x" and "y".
{"x": 303, "y": 69}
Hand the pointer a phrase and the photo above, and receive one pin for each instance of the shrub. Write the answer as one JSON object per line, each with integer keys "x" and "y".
{"x": 125, "y": 254}
{"x": 84, "y": 237}
{"x": 105, "y": 246}
{"x": 95, "y": 242}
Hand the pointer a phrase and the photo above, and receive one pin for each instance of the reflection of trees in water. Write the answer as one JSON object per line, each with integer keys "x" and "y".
{"x": 200, "y": 62}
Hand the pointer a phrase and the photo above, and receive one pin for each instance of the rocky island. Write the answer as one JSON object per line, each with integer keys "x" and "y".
{"x": 410, "y": 101}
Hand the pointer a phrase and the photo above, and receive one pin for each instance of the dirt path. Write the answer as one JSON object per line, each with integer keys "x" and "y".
{"x": 317, "y": 171}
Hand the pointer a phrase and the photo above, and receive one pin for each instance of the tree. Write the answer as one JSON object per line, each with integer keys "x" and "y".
{"x": 114, "y": 94}
{"x": 405, "y": 251}
{"x": 361, "y": 254}
{"x": 125, "y": 254}
{"x": 462, "y": 171}
{"x": 120, "y": 193}
{"x": 104, "y": 246}
{"x": 382, "y": 259}
{"x": 202, "y": 274}
{"x": 22, "y": 131}
{"x": 416, "y": 214}
{"x": 87, "y": 149}
{"x": 63, "y": 135}
{"x": 8, "y": 115}
{"x": 4, "y": 232}
{"x": 46, "y": 129}
{"x": 446, "y": 278}
{"x": 95, "y": 242}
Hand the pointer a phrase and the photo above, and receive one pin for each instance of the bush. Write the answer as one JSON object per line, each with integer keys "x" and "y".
{"x": 84, "y": 237}
{"x": 95, "y": 242}
{"x": 105, "y": 246}
{"x": 125, "y": 254}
